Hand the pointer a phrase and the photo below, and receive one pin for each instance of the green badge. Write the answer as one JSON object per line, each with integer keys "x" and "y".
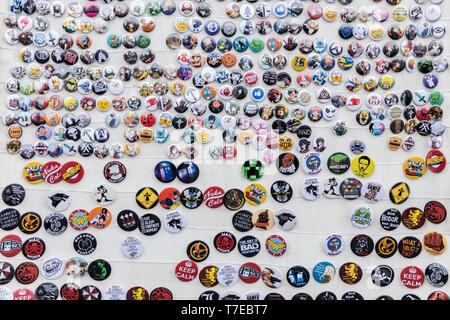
{"x": 338, "y": 163}
{"x": 252, "y": 169}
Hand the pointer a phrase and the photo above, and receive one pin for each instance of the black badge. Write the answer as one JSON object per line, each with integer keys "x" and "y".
{"x": 30, "y": 222}
{"x": 249, "y": 246}
{"x": 46, "y": 291}
{"x": 127, "y": 220}
{"x": 149, "y": 224}
{"x": 99, "y": 269}
{"x": 352, "y": 295}
{"x": 234, "y": 199}
{"x": 197, "y": 251}
{"x": 382, "y": 275}
{"x": 281, "y": 191}
{"x": 436, "y": 275}
{"x": 390, "y": 219}
{"x": 386, "y": 247}
{"x": 13, "y": 194}
{"x": 84, "y": 243}
{"x": 410, "y": 296}
{"x": 362, "y": 245}
{"x": 302, "y": 296}
{"x": 9, "y": 219}
{"x": 210, "y": 294}
{"x": 188, "y": 172}
{"x": 55, "y": 223}
{"x": 279, "y": 126}
{"x": 191, "y": 197}
{"x": 409, "y": 247}
{"x": 287, "y": 163}
{"x": 297, "y": 276}
{"x": 242, "y": 221}
{"x": 326, "y": 295}
{"x": 304, "y": 131}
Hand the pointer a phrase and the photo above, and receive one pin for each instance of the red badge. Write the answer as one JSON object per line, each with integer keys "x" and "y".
{"x": 147, "y": 119}
{"x": 249, "y": 272}
{"x": 10, "y": 245}
{"x": 79, "y": 219}
{"x": 72, "y": 172}
{"x": 435, "y": 212}
{"x": 23, "y": 294}
{"x": 186, "y": 270}
{"x": 435, "y": 161}
{"x": 229, "y": 152}
{"x": 51, "y": 172}
{"x": 213, "y": 197}
{"x": 315, "y": 11}
{"x": 225, "y": 242}
{"x": 250, "y": 78}
{"x": 70, "y": 291}
{"x": 276, "y": 245}
{"x": 33, "y": 248}
{"x": 161, "y": 293}
{"x": 169, "y": 198}
{"x": 412, "y": 277}
{"x": 27, "y": 272}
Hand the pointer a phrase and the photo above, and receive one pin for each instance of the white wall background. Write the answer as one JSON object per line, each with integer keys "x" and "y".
{"x": 316, "y": 219}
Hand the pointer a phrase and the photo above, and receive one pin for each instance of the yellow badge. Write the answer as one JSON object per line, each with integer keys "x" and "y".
{"x": 363, "y": 166}
{"x": 330, "y": 13}
{"x": 399, "y": 193}
{"x": 147, "y": 198}
{"x": 32, "y": 172}
{"x": 203, "y": 135}
{"x": 299, "y": 62}
{"x": 414, "y": 167}
{"x": 146, "y": 135}
{"x": 15, "y": 131}
{"x": 178, "y": 88}
{"x": 395, "y": 142}
{"x": 103, "y": 103}
{"x": 400, "y": 13}
{"x": 131, "y": 149}
{"x": 285, "y": 143}
{"x": 255, "y": 194}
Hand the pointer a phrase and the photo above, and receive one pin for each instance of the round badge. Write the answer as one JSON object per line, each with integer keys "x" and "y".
{"x": 434, "y": 242}
{"x": 413, "y": 218}
{"x": 362, "y": 245}
{"x": 390, "y": 219}
{"x": 350, "y": 273}
{"x": 386, "y": 247}
{"x": 409, "y": 247}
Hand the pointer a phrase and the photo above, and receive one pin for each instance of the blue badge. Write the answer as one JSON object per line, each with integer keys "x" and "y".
{"x": 240, "y": 44}
{"x": 324, "y": 272}
{"x": 258, "y": 94}
{"x": 212, "y": 27}
{"x": 224, "y": 45}
{"x": 280, "y": 9}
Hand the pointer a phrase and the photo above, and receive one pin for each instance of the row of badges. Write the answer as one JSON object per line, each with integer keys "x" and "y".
{"x": 298, "y": 276}
{"x": 330, "y": 13}
{"x": 411, "y": 277}
{"x": 106, "y": 11}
